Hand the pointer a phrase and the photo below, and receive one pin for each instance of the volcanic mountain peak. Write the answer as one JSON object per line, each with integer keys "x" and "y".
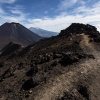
{"x": 17, "y": 33}
{"x": 78, "y": 28}
{"x": 12, "y": 23}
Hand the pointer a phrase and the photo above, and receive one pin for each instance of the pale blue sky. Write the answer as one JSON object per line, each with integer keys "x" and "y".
{"x": 52, "y": 15}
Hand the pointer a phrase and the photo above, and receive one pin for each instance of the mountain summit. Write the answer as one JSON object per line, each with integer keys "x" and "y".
{"x": 17, "y": 33}
{"x": 78, "y": 28}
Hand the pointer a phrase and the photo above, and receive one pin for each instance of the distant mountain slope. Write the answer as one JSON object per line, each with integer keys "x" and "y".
{"x": 17, "y": 33}
{"x": 42, "y": 32}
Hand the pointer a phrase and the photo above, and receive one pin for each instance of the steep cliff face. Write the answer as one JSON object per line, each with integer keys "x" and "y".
{"x": 64, "y": 67}
{"x": 15, "y": 32}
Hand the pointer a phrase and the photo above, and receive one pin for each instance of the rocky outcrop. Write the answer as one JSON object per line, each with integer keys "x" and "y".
{"x": 9, "y": 49}
{"x": 77, "y": 28}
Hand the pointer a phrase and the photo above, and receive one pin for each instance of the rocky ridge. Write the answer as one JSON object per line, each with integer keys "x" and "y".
{"x": 63, "y": 67}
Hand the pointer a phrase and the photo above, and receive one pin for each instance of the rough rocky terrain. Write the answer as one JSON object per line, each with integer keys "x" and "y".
{"x": 63, "y": 67}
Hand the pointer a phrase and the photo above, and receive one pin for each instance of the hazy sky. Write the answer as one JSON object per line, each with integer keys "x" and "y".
{"x": 53, "y": 15}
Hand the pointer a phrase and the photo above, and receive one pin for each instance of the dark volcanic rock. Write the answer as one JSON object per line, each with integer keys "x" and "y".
{"x": 32, "y": 71}
{"x": 68, "y": 59}
{"x": 29, "y": 84}
{"x": 77, "y": 28}
{"x": 83, "y": 90}
{"x": 10, "y": 48}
